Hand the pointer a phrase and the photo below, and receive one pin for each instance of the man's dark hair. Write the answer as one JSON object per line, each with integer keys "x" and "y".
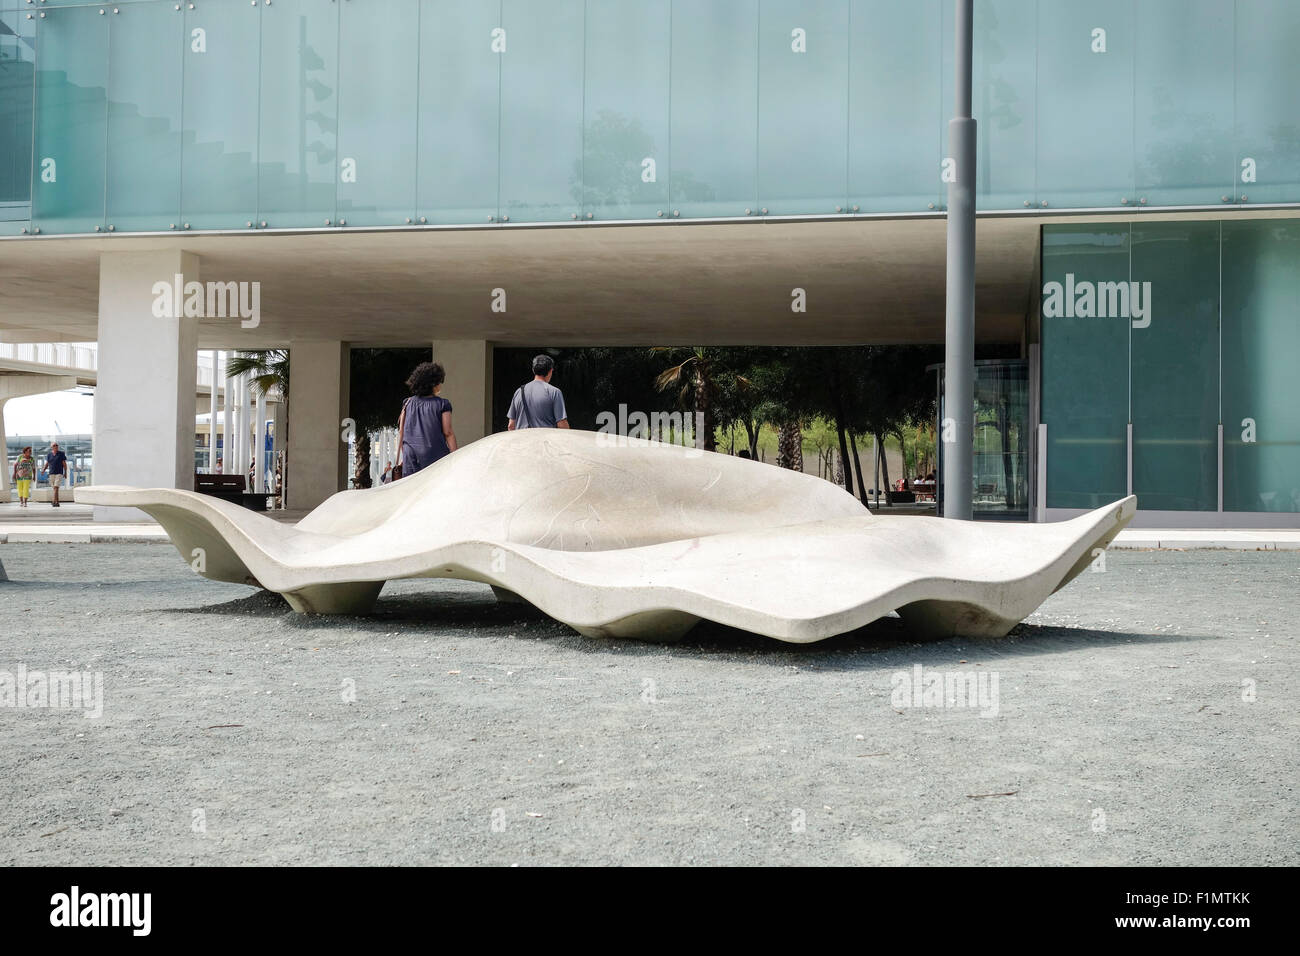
{"x": 426, "y": 377}
{"x": 542, "y": 364}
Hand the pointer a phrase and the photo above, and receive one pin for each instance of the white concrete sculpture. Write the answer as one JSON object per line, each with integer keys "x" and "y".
{"x": 632, "y": 538}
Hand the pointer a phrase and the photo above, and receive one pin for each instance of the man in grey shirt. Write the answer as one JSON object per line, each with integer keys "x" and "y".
{"x": 538, "y": 404}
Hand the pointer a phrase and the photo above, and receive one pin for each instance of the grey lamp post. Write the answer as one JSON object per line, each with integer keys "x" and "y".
{"x": 957, "y": 428}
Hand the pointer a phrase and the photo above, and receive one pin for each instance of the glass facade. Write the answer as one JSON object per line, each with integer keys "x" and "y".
{"x": 1000, "y": 452}
{"x": 308, "y": 113}
{"x": 1171, "y": 328}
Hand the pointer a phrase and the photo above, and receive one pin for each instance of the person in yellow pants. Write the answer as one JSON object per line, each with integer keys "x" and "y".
{"x": 24, "y": 472}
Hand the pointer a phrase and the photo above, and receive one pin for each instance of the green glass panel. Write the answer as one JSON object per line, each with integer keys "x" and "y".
{"x": 1183, "y": 128}
{"x": 460, "y": 111}
{"x": 145, "y": 59}
{"x": 71, "y": 120}
{"x": 626, "y": 110}
{"x": 541, "y": 110}
{"x": 1175, "y": 362}
{"x": 298, "y": 138}
{"x": 1084, "y": 116}
{"x": 714, "y": 107}
{"x": 1002, "y": 100}
{"x": 379, "y": 57}
{"x": 1261, "y": 353}
{"x": 1085, "y": 361}
{"x": 1268, "y": 119}
{"x": 1000, "y": 453}
{"x": 897, "y": 140}
{"x": 803, "y": 75}
{"x": 219, "y": 142}
{"x": 17, "y": 91}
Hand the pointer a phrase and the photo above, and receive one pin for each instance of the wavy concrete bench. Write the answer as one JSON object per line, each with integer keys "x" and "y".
{"x": 624, "y": 537}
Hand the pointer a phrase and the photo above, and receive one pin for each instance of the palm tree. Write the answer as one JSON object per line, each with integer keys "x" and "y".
{"x": 694, "y": 375}
{"x": 269, "y": 369}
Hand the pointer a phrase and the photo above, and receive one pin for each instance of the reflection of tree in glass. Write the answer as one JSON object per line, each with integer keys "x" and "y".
{"x": 609, "y": 173}
{"x": 998, "y": 98}
{"x": 1189, "y": 149}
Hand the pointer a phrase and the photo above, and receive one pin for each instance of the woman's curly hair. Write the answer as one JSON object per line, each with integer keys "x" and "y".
{"x": 426, "y": 377}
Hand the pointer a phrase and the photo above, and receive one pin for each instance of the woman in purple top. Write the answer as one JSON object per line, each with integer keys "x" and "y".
{"x": 424, "y": 428}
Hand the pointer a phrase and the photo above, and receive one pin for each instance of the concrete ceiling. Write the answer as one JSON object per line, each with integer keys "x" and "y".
{"x": 867, "y": 281}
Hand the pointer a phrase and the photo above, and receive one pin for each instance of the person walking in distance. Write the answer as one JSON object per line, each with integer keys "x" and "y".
{"x": 538, "y": 404}
{"x": 424, "y": 427}
{"x": 56, "y": 466}
{"x": 24, "y": 473}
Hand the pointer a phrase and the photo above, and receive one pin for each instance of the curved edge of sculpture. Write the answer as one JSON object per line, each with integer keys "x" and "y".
{"x": 601, "y": 538}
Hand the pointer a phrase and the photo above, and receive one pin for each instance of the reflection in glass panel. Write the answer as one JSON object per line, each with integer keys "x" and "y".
{"x": 1175, "y": 363}
{"x": 803, "y": 106}
{"x": 219, "y": 146}
{"x": 626, "y": 167}
{"x": 460, "y": 111}
{"x": 1002, "y": 99}
{"x": 1085, "y": 361}
{"x": 1084, "y": 118}
{"x": 379, "y": 51}
{"x": 144, "y": 117}
{"x": 1261, "y": 353}
{"x": 298, "y": 139}
{"x": 71, "y": 120}
{"x": 17, "y": 87}
{"x": 1000, "y": 448}
{"x": 541, "y": 109}
{"x": 714, "y": 107}
{"x": 1183, "y": 129}
{"x": 896, "y": 140}
{"x": 1000, "y": 465}
{"x": 1268, "y": 122}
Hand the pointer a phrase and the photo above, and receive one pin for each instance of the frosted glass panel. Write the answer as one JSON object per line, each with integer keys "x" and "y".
{"x": 803, "y": 97}
{"x": 460, "y": 108}
{"x": 219, "y": 146}
{"x": 146, "y": 50}
{"x": 715, "y": 107}
{"x": 71, "y": 120}
{"x": 1183, "y": 128}
{"x": 298, "y": 130}
{"x": 1084, "y": 116}
{"x": 896, "y": 141}
{"x": 627, "y": 166}
{"x": 541, "y": 110}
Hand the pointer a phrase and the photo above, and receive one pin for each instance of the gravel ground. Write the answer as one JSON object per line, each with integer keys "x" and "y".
{"x": 452, "y": 729}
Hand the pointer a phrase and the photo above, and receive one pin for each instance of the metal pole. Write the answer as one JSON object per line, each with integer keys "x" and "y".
{"x": 212, "y": 415}
{"x": 228, "y": 416}
{"x": 259, "y": 443}
{"x": 959, "y": 338}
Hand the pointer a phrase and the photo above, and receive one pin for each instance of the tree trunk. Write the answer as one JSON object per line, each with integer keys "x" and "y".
{"x": 884, "y": 465}
{"x": 704, "y": 405}
{"x": 751, "y": 437}
{"x": 362, "y": 451}
{"x": 857, "y": 466}
{"x": 790, "y": 447}
{"x": 845, "y": 470}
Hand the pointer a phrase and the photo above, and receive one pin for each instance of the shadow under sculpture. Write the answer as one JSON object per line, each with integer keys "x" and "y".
{"x": 624, "y": 537}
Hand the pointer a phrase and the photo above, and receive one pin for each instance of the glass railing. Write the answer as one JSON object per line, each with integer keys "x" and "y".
{"x": 239, "y": 115}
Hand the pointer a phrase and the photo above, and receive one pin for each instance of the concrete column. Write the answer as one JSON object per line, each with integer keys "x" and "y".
{"x": 227, "y": 419}
{"x": 259, "y": 442}
{"x": 318, "y": 403}
{"x": 468, "y": 364}
{"x": 212, "y": 411}
{"x": 145, "y": 396}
